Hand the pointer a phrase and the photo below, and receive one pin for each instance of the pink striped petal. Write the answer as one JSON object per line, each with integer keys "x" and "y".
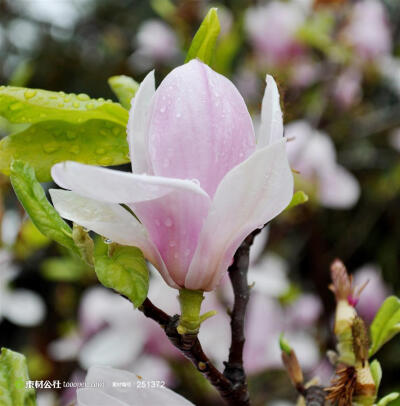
{"x": 200, "y": 127}
{"x": 138, "y": 124}
{"x": 271, "y": 128}
{"x": 249, "y": 196}
{"x": 174, "y": 224}
{"x": 111, "y": 221}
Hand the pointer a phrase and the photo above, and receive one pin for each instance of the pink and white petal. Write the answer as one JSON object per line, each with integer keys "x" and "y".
{"x": 174, "y": 223}
{"x": 138, "y": 124}
{"x": 249, "y": 196}
{"x": 338, "y": 188}
{"x": 200, "y": 127}
{"x": 109, "y": 220}
{"x": 132, "y": 395}
{"x": 95, "y": 397}
{"x": 109, "y": 185}
{"x": 23, "y": 307}
{"x": 271, "y": 128}
{"x": 113, "y": 346}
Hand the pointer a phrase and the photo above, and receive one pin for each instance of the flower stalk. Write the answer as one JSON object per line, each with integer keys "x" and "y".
{"x": 190, "y": 319}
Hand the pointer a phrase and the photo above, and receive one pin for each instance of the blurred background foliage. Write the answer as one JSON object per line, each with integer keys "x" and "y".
{"x": 337, "y": 64}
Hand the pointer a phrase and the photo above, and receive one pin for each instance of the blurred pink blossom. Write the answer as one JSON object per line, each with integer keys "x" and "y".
{"x": 312, "y": 153}
{"x": 347, "y": 88}
{"x": 373, "y": 294}
{"x": 368, "y": 30}
{"x": 156, "y": 43}
{"x": 200, "y": 183}
{"x": 272, "y": 30}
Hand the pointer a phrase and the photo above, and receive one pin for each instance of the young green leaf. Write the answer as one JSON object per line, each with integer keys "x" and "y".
{"x": 13, "y": 378}
{"x": 124, "y": 88}
{"x": 376, "y": 371}
{"x": 204, "y": 41}
{"x": 125, "y": 271}
{"x": 31, "y": 195}
{"x": 298, "y": 198}
{"x": 23, "y": 105}
{"x": 386, "y": 324}
{"x": 388, "y": 398}
{"x": 94, "y": 142}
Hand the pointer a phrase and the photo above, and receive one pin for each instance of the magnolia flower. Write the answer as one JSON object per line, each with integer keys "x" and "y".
{"x": 368, "y": 31}
{"x": 200, "y": 184}
{"x": 20, "y": 306}
{"x": 114, "y": 387}
{"x": 313, "y": 154}
{"x": 264, "y": 22}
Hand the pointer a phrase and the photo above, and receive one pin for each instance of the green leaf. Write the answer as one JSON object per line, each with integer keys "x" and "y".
{"x": 125, "y": 89}
{"x": 386, "y": 324}
{"x": 31, "y": 195}
{"x": 388, "y": 398}
{"x": 298, "y": 198}
{"x": 84, "y": 244}
{"x": 62, "y": 127}
{"x": 204, "y": 41}
{"x": 13, "y": 378}
{"x": 376, "y": 371}
{"x": 23, "y": 105}
{"x": 125, "y": 271}
{"x": 94, "y": 142}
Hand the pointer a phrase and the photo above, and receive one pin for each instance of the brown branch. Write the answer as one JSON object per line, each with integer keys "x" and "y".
{"x": 234, "y": 369}
{"x": 190, "y": 346}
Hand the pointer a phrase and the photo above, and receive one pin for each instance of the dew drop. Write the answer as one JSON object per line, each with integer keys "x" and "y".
{"x": 176, "y": 255}
{"x": 71, "y": 135}
{"x": 76, "y": 104}
{"x": 196, "y": 181}
{"x": 50, "y": 147}
{"x": 107, "y": 241}
{"x": 60, "y": 105}
{"x": 16, "y": 106}
{"x": 178, "y": 115}
{"x": 162, "y": 109}
{"x": 168, "y": 222}
{"x": 30, "y": 93}
{"x": 116, "y": 130}
{"x": 187, "y": 252}
{"x": 90, "y": 105}
{"x": 157, "y": 222}
{"x": 106, "y": 161}
{"x": 75, "y": 149}
{"x": 100, "y": 151}
{"x": 83, "y": 96}
{"x": 172, "y": 243}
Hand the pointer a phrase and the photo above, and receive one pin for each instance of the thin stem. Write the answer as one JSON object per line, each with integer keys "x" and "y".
{"x": 234, "y": 369}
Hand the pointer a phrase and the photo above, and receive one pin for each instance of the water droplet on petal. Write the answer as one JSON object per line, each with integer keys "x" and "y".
{"x": 162, "y": 109}
{"x": 107, "y": 241}
{"x": 172, "y": 243}
{"x": 168, "y": 222}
